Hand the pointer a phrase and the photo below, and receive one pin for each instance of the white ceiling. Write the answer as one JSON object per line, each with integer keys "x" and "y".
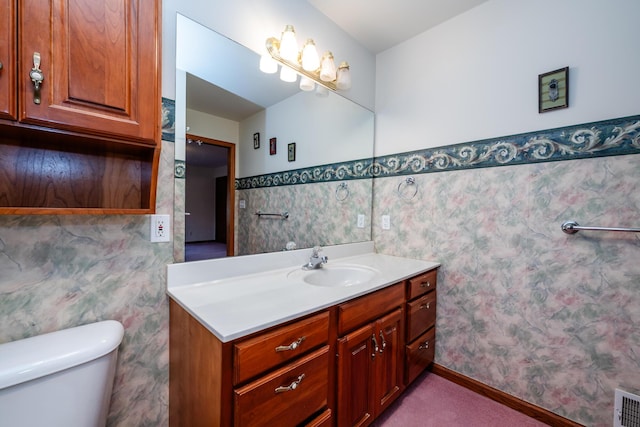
{"x": 381, "y": 24}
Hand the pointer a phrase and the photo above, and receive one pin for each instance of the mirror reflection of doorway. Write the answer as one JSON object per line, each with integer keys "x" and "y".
{"x": 210, "y": 191}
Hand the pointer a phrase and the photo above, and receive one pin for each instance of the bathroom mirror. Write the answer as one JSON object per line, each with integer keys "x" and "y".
{"x": 281, "y": 135}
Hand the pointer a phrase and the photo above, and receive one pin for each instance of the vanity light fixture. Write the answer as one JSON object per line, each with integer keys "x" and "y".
{"x": 305, "y": 62}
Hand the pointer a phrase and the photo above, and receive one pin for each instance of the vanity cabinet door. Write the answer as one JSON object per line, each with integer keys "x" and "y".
{"x": 356, "y": 353}
{"x": 100, "y": 63}
{"x": 287, "y": 396}
{"x": 8, "y": 90}
{"x": 389, "y": 362}
{"x": 370, "y": 366}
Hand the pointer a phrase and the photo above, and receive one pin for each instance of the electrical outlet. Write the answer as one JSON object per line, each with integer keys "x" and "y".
{"x": 386, "y": 222}
{"x": 360, "y": 221}
{"x": 243, "y": 204}
{"x": 160, "y": 228}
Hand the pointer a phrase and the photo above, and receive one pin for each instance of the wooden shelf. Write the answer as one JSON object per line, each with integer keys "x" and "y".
{"x": 46, "y": 172}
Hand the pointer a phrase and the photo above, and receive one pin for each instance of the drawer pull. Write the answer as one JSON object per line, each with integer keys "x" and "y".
{"x": 424, "y": 346}
{"x": 384, "y": 342}
{"x": 291, "y": 386}
{"x": 425, "y": 306}
{"x": 426, "y": 284}
{"x": 375, "y": 346}
{"x": 291, "y": 346}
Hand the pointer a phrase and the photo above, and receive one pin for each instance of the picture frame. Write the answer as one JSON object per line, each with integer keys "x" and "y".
{"x": 291, "y": 152}
{"x": 553, "y": 90}
{"x": 256, "y": 140}
{"x": 272, "y": 146}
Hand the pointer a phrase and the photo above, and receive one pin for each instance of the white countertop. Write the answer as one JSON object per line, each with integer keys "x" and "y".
{"x": 243, "y": 295}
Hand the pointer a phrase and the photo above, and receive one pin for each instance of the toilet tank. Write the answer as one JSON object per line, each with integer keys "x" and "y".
{"x": 58, "y": 379}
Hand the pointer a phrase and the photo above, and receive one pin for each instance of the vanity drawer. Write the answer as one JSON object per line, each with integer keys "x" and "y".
{"x": 421, "y": 315}
{"x": 422, "y": 284}
{"x": 287, "y": 396}
{"x": 364, "y": 309}
{"x": 419, "y": 355}
{"x": 265, "y": 351}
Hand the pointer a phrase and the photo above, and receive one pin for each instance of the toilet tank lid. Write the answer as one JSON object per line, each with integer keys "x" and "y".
{"x": 31, "y": 358}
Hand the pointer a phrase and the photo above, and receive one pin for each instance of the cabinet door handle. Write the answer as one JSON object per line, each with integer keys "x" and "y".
{"x": 425, "y": 306}
{"x": 37, "y": 77}
{"x": 426, "y": 284}
{"x": 291, "y": 346}
{"x": 375, "y": 346}
{"x": 294, "y": 385}
{"x": 384, "y": 342}
{"x": 424, "y": 346}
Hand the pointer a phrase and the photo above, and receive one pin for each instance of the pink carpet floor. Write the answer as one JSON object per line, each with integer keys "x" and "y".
{"x": 432, "y": 401}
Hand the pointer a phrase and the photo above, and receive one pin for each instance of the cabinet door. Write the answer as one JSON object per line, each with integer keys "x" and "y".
{"x": 388, "y": 365}
{"x": 100, "y": 65}
{"x": 8, "y": 89}
{"x": 356, "y": 353}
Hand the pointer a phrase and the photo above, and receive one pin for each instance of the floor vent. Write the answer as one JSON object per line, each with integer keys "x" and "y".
{"x": 627, "y": 410}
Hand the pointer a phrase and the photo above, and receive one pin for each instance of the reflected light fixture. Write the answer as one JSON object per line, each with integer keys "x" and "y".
{"x": 305, "y": 62}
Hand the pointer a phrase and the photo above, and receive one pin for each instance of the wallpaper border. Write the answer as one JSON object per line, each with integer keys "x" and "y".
{"x": 613, "y": 137}
{"x": 597, "y": 139}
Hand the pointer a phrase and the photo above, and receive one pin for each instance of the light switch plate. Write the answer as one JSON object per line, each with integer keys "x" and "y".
{"x": 361, "y": 220}
{"x": 386, "y": 222}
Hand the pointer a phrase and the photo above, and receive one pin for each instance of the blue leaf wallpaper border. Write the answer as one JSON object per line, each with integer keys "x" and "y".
{"x": 357, "y": 169}
{"x": 605, "y": 138}
{"x": 613, "y": 137}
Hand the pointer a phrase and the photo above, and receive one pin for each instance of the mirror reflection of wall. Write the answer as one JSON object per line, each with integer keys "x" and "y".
{"x": 333, "y": 137}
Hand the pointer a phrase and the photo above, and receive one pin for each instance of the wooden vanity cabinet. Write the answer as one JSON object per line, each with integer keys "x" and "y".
{"x": 370, "y": 359}
{"x": 281, "y": 376}
{"x": 342, "y": 366}
{"x": 86, "y": 138}
{"x": 421, "y": 320}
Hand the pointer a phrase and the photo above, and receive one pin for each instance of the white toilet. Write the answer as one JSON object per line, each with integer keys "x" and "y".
{"x": 60, "y": 379}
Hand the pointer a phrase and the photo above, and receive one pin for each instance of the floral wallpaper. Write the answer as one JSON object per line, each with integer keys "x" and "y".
{"x": 67, "y": 270}
{"x": 308, "y": 223}
{"x": 548, "y": 317}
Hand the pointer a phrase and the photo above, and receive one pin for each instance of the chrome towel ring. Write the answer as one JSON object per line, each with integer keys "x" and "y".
{"x": 342, "y": 192}
{"x": 403, "y": 192}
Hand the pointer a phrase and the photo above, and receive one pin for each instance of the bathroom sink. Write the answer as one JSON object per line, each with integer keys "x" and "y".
{"x": 335, "y": 276}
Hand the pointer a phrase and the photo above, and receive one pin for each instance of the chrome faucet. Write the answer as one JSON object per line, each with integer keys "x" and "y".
{"x": 316, "y": 260}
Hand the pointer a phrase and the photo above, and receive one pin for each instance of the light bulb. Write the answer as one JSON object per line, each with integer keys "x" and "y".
{"x": 310, "y": 60}
{"x": 328, "y": 70}
{"x": 288, "y": 44}
{"x": 288, "y": 75}
{"x": 307, "y": 84}
{"x": 343, "y": 81}
{"x": 268, "y": 64}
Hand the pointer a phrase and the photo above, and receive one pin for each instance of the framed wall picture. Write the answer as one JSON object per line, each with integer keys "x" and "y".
{"x": 291, "y": 152}
{"x": 256, "y": 140}
{"x": 272, "y": 146}
{"x": 553, "y": 90}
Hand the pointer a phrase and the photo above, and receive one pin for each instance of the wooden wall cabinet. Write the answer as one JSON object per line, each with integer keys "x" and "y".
{"x": 342, "y": 366}
{"x": 84, "y": 138}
